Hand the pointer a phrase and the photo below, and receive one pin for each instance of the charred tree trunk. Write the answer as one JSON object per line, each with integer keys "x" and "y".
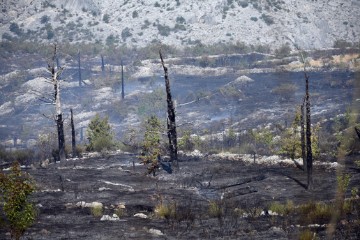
{"x": 102, "y": 64}
{"x": 79, "y": 69}
{"x": 55, "y": 74}
{"x": 171, "y": 121}
{"x": 309, "y": 159}
{"x": 302, "y": 135}
{"x": 357, "y": 130}
{"x": 122, "y": 81}
{"x": 61, "y": 137}
{"x": 73, "y": 140}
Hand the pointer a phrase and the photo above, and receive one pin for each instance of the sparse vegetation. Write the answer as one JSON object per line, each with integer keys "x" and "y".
{"x": 126, "y": 33}
{"x": 282, "y": 209}
{"x": 151, "y": 149}
{"x": 18, "y": 213}
{"x": 99, "y": 134}
{"x": 267, "y": 19}
{"x": 106, "y": 18}
{"x": 96, "y": 210}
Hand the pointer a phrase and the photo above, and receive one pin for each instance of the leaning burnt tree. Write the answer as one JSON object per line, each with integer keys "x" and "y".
{"x": 55, "y": 75}
{"x": 171, "y": 121}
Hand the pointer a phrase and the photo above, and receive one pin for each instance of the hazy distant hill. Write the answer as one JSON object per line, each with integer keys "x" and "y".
{"x": 308, "y": 23}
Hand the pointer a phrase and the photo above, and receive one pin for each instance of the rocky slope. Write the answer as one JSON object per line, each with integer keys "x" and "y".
{"x": 307, "y": 23}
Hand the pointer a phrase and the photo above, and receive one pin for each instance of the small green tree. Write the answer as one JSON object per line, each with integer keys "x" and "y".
{"x": 185, "y": 142}
{"x": 151, "y": 148}
{"x": 99, "y": 134}
{"x": 17, "y": 212}
{"x": 291, "y": 140}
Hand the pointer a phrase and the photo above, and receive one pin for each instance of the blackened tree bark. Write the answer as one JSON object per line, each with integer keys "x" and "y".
{"x": 171, "y": 121}
{"x": 79, "y": 69}
{"x": 102, "y": 64}
{"x": 73, "y": 140}
{"x": 61, "y": 137}
{"x": 302, "y": 134}
{"x": 309, "y": 159}
{"x": 55, "y": 74}
{"x": 357, "y": 130}
{"x": 122, "y": 81}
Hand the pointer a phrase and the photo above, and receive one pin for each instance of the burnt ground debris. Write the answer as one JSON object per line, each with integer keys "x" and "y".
{"x": 242, "y": 190}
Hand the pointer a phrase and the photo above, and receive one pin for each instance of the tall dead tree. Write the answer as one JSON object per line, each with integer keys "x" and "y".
{"x": 73, "y": 140}
{"x": 302, "y": 134}
{"x": 122, "y": 81}
{"x": 309, "y": 158}
{"x": 55, "y": 75}
{"x": 79, "y": 69}
{"x": 171, "y": 121}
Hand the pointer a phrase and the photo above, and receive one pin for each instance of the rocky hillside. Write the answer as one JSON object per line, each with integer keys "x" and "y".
{"x": 308, "y": 23}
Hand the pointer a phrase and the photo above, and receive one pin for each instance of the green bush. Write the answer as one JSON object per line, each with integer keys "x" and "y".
{"x": 135, "y": 14}
{"x": 307, "y": 235}
{"x": 267, "y": 19}
{"x": 18, "y": 213}
{"x": 282, "y": 209}
{"x": 319, "y": 213}
{"x": 23, "y": 156}
{"x": 180, "y": 20}
{"x": 44, "y": 19}
{"x": 96, "y": 211}
{"x": 167, "y": 211}
{"x": 283, "y": 51}
{"x": 185, "y": 142}
{"x": 164, "y": 30}
{"x": 14, "y": 27}
{"x": 151, "y": 147}
{"x": 99, "y": 134}
{"x": 106, "y": 18}
{"x": 126, "y": 33}
{"x": 215, "y": 210}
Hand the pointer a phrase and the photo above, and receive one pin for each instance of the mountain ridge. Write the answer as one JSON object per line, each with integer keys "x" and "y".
{"x": 308, "y": 24}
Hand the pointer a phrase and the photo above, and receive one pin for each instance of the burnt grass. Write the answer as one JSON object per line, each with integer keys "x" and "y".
{"x": 241, "y": 190}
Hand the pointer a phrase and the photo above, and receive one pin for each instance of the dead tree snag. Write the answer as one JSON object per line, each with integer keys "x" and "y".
{"x": 357, "y": 130}
{"x": 79, "y": 69}
{"x": 73, "y": 140}
{"x": 302, "y": 134}
{"x": 55, "y": 75}
{"x": 102, "y": 64}
{"x": 171, "y": 121}
{"x": 122, "y": 81}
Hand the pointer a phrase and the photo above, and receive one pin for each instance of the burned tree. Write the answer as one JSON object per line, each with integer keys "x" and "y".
{"x": 309, "y": 157}
{"x": 73, "y": 140}
{"x": 79, "y": 69}
{"x": 55, "y": 75}
{"x": 171, "y": 121}
{"x": 102, "y": 64}
{"x": 309, "y": 160}
{"x": 302, "y": 134}
{"x": 357, "y": 130}
{"x": 122, "y": 81}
